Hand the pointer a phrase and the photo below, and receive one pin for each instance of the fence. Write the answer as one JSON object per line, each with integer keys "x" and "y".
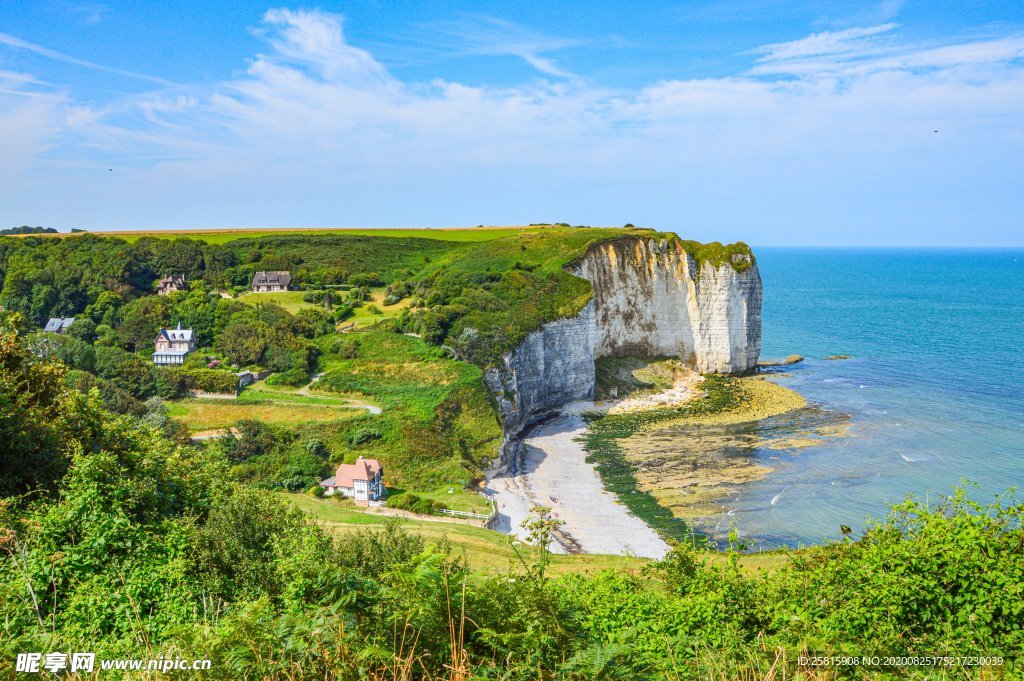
{"x": 486, "y": 517}
{"x": 465, "y": 514}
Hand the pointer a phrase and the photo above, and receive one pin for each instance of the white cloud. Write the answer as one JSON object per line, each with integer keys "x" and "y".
{"x": 317, "y": 131}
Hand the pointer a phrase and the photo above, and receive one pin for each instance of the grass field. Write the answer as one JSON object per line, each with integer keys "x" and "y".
{"x": 489, "y": 551}
{"x": 201, "y": 415}
{"x": 220, "y": 236}
{"x": 363, "y": 317}
{"x": 289, "y": 300}
{"x": 260, "y": 393}
{"x": 292, "y": 302}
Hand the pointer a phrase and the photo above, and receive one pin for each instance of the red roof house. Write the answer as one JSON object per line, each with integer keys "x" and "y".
{"x": 362, "y": 480}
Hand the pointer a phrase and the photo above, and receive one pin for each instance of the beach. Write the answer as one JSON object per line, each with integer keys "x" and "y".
{"x": 552, "y": 471}
{"x": 684, "y": 472}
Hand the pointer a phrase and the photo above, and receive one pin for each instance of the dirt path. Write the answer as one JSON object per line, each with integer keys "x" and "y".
{"x": 357, "y": 404}
{"x": 213, "y": 434}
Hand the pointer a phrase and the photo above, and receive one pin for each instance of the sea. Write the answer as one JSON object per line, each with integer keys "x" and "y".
{"x": 931, "y": 398}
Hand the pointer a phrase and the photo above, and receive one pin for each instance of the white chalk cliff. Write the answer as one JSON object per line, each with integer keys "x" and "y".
{"x": 650, "y": 300}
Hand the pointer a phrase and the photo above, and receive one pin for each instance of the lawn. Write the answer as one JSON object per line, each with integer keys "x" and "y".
{"x": 221, "y": 236}
{"x": 254, "y": 394}
{"x": 292, "y": 302}
{"x": 289, "y": 300}
{"x": 461, "y": 498}
{"x": 489, "y": 551}
{"x": 364, "y": 317}
{"x": 201, "y": 415}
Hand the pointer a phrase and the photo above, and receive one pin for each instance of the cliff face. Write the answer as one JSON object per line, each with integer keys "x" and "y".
{"x": 650, "y": 299}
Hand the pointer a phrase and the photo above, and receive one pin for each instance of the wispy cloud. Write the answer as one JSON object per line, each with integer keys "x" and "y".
{"x": 481, "y": 35}
{"x": 18, "y": 43}
{"x": 849, "y": 42}
{"x": 316, "y": 127}
{"x": 863, "y": 50}
{"x": 91, "y": 13}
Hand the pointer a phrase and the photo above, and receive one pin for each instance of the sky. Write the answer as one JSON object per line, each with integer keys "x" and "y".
{"x": 890, "y": 123}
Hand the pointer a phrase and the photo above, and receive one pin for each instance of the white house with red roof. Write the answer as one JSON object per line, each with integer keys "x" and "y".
{"x": 362, "y": 481}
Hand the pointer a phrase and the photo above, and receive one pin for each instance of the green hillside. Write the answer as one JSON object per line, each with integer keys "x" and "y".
{"x": 121, "y": 536}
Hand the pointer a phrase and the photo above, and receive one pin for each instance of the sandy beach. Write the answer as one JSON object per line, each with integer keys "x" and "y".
{"x": 552, "y": 471}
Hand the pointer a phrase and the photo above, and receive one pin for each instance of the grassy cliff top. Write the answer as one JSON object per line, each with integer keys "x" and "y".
{"x": 479, "y": 290}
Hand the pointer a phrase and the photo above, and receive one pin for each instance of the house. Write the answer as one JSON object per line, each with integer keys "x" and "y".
{"x": 58, "y": 324}
{"x": 362, "y": 480}
{"x": 171, "y": 283}
{"x": 173, "y": 345}
{"x": 265, "y": 282}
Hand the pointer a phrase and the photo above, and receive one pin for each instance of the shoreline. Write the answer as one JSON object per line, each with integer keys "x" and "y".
{"x": 603, "y": 506}
{"x": 551, "y": 470}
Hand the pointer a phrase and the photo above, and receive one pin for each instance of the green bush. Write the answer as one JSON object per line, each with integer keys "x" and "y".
{"x": 293, "y": 377}
{"x": 408, "y": 501}
{"x": 206, "y": 380}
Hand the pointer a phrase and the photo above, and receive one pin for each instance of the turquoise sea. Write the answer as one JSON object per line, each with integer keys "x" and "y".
{"x": 933, "y": 395}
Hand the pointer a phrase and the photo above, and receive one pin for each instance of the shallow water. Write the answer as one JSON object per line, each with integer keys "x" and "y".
{"x": 935, "y": 391}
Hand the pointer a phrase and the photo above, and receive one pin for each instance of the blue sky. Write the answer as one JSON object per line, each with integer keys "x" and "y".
{"x": 783, "y": 123}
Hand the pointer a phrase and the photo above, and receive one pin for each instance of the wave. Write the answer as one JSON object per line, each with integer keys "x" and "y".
{"x": 778, "y": 496}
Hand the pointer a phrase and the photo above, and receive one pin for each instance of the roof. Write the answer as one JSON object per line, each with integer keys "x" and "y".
{"x": 172, "y": 280}
{"x": 280, "y": 278}
{"x": 327, "y": 482}
{"x": 58, "y": 324}
{"x": 177, "y": 335}
{"x": 362, "y": 469}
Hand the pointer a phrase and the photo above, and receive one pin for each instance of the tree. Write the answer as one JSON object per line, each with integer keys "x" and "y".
{"x": 71, "y": 351}
{"x": 104, "y": 310}
{"x": 243, "y": 343}
{"x": 109, "y": 361}
{"x": 41, "y": 418}
{"x": 136, "y": 378}
{"x": 84, "y": 329}
{"x": 143, "y": 318}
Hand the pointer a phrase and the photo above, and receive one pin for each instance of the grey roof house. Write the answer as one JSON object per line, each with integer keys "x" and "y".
{"x": 58, "y": 324}
{"x": 172, "y": 346}
{"x": 265, "y": 282}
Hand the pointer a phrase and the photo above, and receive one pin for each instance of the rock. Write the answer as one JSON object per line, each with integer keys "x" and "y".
{"x": 649, "y": 301}
{"x": 836, "y": 357}
{"x": 791, "y": 359}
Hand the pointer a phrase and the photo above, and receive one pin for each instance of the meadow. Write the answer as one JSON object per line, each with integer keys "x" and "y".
{"x": 200, "y": 415}
{"x": 222, "y": 236}
{"x": 289, "y": 300}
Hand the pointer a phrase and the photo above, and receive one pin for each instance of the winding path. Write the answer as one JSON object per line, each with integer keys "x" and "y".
{"x": 358, "y": 404}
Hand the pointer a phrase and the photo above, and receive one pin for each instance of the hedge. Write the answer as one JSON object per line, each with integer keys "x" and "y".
{"x": 208, "y": 380}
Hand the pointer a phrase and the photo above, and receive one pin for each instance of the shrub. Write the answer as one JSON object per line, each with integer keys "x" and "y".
{"x": 170, "y": 383}
{"x": 114, "y": 398}
{"x": 207, "y": 380}
{"x": 363, "y": 435}
{"x": 367, "y": 279}
{"x": 293, "y": 377}
{"x": 414, "y": 503}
